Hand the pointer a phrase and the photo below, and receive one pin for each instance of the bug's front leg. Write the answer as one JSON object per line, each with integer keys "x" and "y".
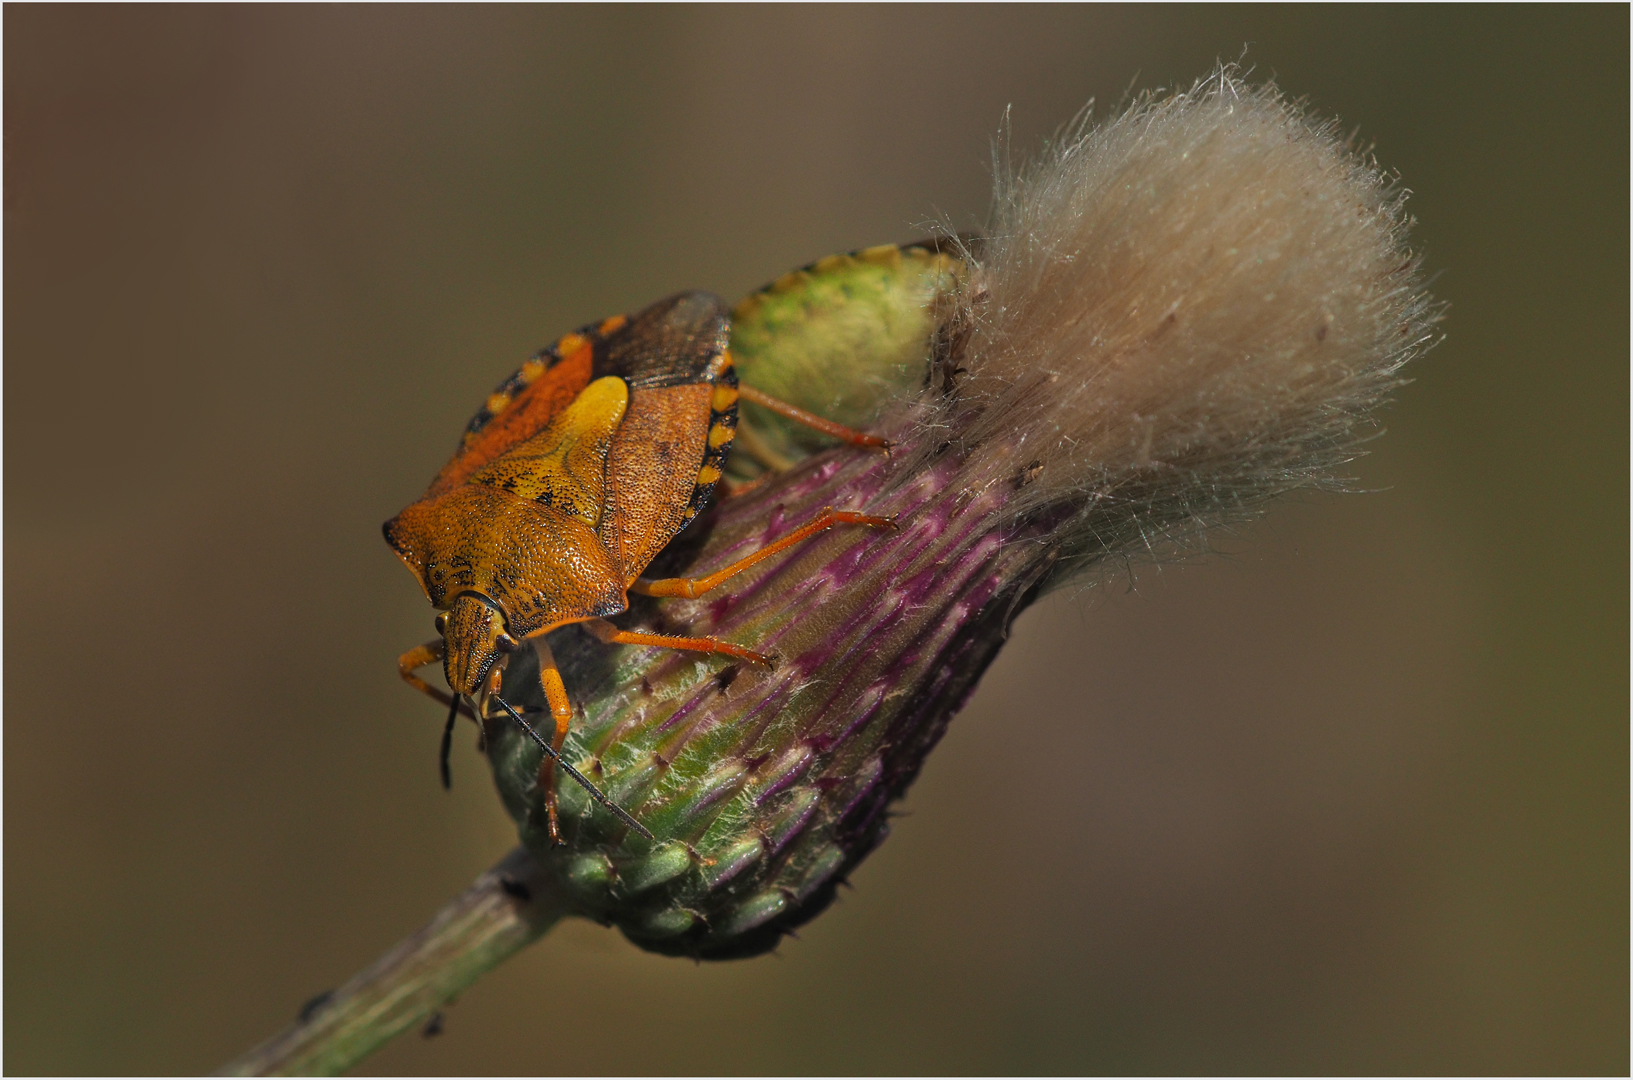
{"x": 410, "y": 662}
{"x": 561, "y": 710}
{"x": 422, "y": 656}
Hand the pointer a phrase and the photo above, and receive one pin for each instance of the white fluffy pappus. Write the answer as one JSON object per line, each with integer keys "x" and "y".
{"x": 1179, "y": 313}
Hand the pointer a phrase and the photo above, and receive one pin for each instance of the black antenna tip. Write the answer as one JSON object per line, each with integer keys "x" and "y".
{"x": 448, "y": 745}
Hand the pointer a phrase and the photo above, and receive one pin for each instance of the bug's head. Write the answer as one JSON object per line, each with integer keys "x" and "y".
{"x": 474, "y": 637}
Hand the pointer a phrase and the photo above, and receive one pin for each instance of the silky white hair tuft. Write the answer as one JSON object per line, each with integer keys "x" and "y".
{"x": 1177, "y": 314}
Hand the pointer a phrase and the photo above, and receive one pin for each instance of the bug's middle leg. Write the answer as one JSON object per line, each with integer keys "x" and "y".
{"x": 692, "y": 588}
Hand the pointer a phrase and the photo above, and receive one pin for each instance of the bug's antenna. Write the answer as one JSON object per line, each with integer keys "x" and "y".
{"x": 595, "y": 792}
{"x": 448, "y": 744}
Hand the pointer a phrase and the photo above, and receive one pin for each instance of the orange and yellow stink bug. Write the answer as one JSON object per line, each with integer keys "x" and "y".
{"x": 576, "y": 472}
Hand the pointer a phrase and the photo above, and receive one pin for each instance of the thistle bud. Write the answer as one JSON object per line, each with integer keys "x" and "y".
{"x": 1178, "y": 314}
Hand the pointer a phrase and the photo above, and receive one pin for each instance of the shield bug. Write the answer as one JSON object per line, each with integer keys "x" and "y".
{"x": 578, "y": 470}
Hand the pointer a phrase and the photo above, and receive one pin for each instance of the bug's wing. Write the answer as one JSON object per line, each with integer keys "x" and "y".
{"x": 671, "y": 449}
{"x": 521, "y": 407}
{"x": 669, "y": 343}
{"x": 565, "y": 465}
{"x": 673, "y": 342}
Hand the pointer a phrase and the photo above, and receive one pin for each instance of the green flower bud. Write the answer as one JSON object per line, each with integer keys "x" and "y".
{"x": 1180, "y": 313}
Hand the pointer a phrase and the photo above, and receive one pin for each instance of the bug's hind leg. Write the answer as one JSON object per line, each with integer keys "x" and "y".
{"x": 561, "y": 711}
{"x": 771, "y": 460}
{"x": 810, "y": 420}
{"x": 691, "y": 588}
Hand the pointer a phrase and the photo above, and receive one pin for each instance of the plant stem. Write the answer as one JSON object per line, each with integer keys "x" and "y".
{"x": 506, "y": 908}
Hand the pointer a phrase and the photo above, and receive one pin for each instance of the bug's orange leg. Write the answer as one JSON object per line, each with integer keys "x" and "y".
{"x": 611, "y": 635}
{"x": 811, "y": 420}
{"x": 561, "y": 710}
{"x": 692, "y": 588}
{"x": 421, "y": 656}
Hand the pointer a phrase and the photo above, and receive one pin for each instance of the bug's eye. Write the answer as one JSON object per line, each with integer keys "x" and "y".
{"x": 442, "y": 623}
{"x": 506, "y": 643}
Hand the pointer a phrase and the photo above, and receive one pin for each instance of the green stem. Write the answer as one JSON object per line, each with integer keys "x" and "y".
{"x": 508, "y": 907}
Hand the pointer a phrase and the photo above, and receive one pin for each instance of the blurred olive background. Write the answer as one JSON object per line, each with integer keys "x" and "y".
{"x": 1350, "y": 797}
